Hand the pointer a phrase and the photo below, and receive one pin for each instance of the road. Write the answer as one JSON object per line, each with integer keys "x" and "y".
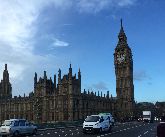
{"x": 130, "y": 129}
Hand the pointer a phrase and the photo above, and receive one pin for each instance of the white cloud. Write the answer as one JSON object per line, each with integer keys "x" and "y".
{"x": 59, "y": 43}
{"x": 67, "y": 24}
{"x": 18, "y": 28}
{"x": 123, "y": 3}
{"x": 94, "y": 6}
{"x": 141, "y": 75}
{"x": 16, "y": 23}
{"x": 17, "y": 31}
{"x": 100, "y": 86}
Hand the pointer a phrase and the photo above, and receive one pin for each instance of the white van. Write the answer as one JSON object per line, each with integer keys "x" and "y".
{"x": 97, "y": 123}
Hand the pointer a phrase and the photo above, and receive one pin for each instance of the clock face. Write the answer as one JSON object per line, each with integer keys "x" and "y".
{"x": 120, "y": 58}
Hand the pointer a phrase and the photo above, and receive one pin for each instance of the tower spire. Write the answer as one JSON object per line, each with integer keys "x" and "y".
{"x": 121, "y": 23}
{"x": 5, "y": 66}
{"x": 122, "y": 37}
{"x": 70, "y": 65}
{"x": 121, "y": 27}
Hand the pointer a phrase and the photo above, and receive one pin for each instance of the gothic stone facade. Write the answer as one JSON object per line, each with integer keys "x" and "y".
{"x": 63, "y": 100}
{"x": 54, "y": 102}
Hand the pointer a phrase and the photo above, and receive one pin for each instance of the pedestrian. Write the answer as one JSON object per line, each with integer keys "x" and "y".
{"x": 161, "y": 128}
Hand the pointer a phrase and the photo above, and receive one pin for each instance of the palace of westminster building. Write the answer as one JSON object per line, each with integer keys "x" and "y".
{"x": 63, "y": 100}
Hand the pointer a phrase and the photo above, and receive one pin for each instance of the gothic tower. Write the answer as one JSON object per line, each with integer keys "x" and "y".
{"x": 124, "y": 76}
{"x": 5, "y": 86}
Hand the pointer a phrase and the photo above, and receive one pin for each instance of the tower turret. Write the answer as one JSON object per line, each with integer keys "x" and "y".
{"x": 44, "y": 85}
{"x": 107, "y": 94}
{"x": 59, "y": 82}
{"x": 59, "y": 76}
{"x": 70, "y": 80}
{"x": 79, "y": 80}
{"x": 45, "y": 77}
{"x": 5, "y": 74}
{"x": 35, "y": 80}
{"x": 54, "y": 83}
{"x": 6, "y": 89}
{"x": 70, "y": 73}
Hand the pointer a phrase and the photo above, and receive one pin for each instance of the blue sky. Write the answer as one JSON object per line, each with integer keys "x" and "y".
{"x": 47, "y": 35}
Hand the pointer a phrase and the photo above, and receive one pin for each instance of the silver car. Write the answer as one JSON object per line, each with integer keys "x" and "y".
{"x": 15, "y": 127}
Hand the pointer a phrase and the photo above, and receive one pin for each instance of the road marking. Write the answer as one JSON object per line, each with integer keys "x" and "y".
{"x": 48, "y": 133}
{"x": 102, "y": 135}
{"x": 70, "y": 130}
{"x": 59, "y": 135}
{"x": 55, "y": 132}
{"x": 62, "y": 131}
{"x": 145, "y": 132}
{"x": 65, "y": 134}
{"x": 139, "y": 135}
{"x": 77, "y": 132}
{"x": 41, "y": 134}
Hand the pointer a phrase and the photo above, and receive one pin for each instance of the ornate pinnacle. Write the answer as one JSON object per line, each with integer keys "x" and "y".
{"x": 121, "y": 23}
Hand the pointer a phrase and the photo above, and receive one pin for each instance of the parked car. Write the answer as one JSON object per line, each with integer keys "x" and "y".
{"x": 15, "y": 127}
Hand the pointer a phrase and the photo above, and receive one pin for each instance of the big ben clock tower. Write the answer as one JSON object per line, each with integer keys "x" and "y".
{"x": 124, "y": 76}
